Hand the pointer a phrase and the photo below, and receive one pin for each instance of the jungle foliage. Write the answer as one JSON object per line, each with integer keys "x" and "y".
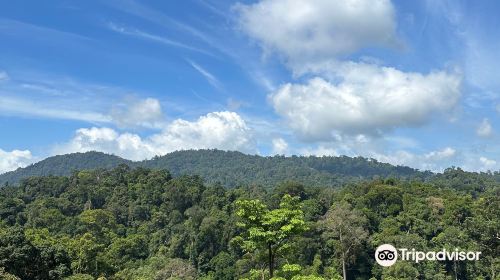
{"x": 139, "y": 223}
{"x": 229, "y": 168}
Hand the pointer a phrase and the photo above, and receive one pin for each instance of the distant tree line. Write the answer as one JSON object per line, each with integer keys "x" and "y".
{"x": 231, "y": 169}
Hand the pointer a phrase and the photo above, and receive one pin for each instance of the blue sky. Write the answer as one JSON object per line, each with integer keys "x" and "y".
{"x": 406, "y": 82}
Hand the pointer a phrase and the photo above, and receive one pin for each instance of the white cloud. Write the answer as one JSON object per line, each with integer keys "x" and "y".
{"x": 484, "y": 129}
{"x": 19, "y": 106}
{"x": 211, "y": 79}
{"x": 152, "y": 37}
{"x": 367, "y": 99}
{"x": 138, "y": 113}
{"x": 132, "y": 112}
{"x": 233, "y": 104}
{"x": 435, "y": 161}
{"x": 280, "y": 146}
{"x": 14, "y": 159}
{"x": 319, "y": 151}
{"x": 487, "y": 164}
{"x": 318, "y": 29}
{"x": 40, "y": 95}
{"x": 442, "y": 154}
{"x": 107, "y": 140}
{"x": 3, "y": 76}
{"x": 63, "y": 98}
{"x": 221, "y": 130}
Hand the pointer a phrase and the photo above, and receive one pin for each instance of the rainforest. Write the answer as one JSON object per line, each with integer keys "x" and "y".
{"x": 141, "y": 223}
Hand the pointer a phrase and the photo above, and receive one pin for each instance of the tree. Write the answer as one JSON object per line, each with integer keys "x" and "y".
{"x": 20, "y": 257}
{"x": 344, "y": 227}
{"x": 7, "y": 276}
{"x": 177, "y": 269}
{"x": 401, "y": 270}
{"x": 269, "y": 230}
{"x": 127, "y": 224}
{"x": 84, "y": 251}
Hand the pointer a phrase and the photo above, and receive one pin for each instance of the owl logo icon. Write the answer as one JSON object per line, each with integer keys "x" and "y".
{"x": 386, "y": 255}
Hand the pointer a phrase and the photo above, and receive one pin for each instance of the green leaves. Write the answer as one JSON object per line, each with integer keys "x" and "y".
{"x": 271, "y": 226}
{"x": 269, "y": 229}
{"x": 129, "y": 224}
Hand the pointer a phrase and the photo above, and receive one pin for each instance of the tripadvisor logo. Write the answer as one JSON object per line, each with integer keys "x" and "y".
{"x": 387, "y": 255}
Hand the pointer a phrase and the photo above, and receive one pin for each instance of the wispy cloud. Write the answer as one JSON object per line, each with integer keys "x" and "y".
{"x": 159, "y": 39}
{"x": 263, "y": 80}
{"x": 222, "y": 45}
{"x": 484, "y": 129}
{"x": 211, "y": 79}
{"x": 213, "y": 8}
{"x": 42, "y": 34}
{"x": 3, "y": 76}
{"x": 30, "y": 95}
{"x": 151, "y": 15}
{"x": 24, "y": 107}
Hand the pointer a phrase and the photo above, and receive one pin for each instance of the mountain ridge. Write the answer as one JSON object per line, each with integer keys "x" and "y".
{"x": 230, "y": 168}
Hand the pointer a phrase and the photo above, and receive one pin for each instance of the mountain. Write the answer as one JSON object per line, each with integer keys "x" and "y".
{"x": 229, "y": 168}
{"x": 63, "y": 165}
{"x": 234, "y": 168}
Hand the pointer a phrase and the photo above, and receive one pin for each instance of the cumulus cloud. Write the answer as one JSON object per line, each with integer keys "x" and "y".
{"x": 138, "y": 113}
{"x": 319, "y": 151}
{"x": 14, "y": 159}
{"x": 343, "y": 97}
{"x": 442, "y": 154}
{"x": 484, "y": 129}
{"x": 318, "y": 29}
{"x": 221, "y": 130}
{"x": 107, "y": 140}
{"x": 434, "y": 160}
{"x": 280, "y": 146}
{"x": 487, "y": 164}
{"x": 367, "y": 99}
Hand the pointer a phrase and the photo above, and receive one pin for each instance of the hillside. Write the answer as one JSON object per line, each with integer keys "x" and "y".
{"x": 229, "y": 168}
{"x": 63, "y": 165}
{"x": 235, "y": 168}
{"x": 129, "y": 224}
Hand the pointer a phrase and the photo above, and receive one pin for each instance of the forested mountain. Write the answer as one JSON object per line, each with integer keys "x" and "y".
{"x": 63, "y": 165}
{"x": 129, "y": 224}
{"x": 229, "y": 168}
{"x": 235, "y": 168}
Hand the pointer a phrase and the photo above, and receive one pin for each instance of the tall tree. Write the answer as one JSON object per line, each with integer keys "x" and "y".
{"x": 344, "y": 228}
{"x": 269, "y": 229}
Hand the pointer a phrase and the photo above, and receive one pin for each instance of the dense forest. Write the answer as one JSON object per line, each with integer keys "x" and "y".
{"x": 228, "y": 168}
{"x": 141, "y": 223}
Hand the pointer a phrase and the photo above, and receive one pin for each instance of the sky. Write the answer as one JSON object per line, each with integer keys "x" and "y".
{"x": 405, "y": 82}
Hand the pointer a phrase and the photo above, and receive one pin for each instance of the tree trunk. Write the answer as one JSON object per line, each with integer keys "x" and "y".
{"x": 492, "y": 271}
{"x": 344, "y": 272}
{"x": 455, "y": 269}
{"x": 271, "y": 260}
